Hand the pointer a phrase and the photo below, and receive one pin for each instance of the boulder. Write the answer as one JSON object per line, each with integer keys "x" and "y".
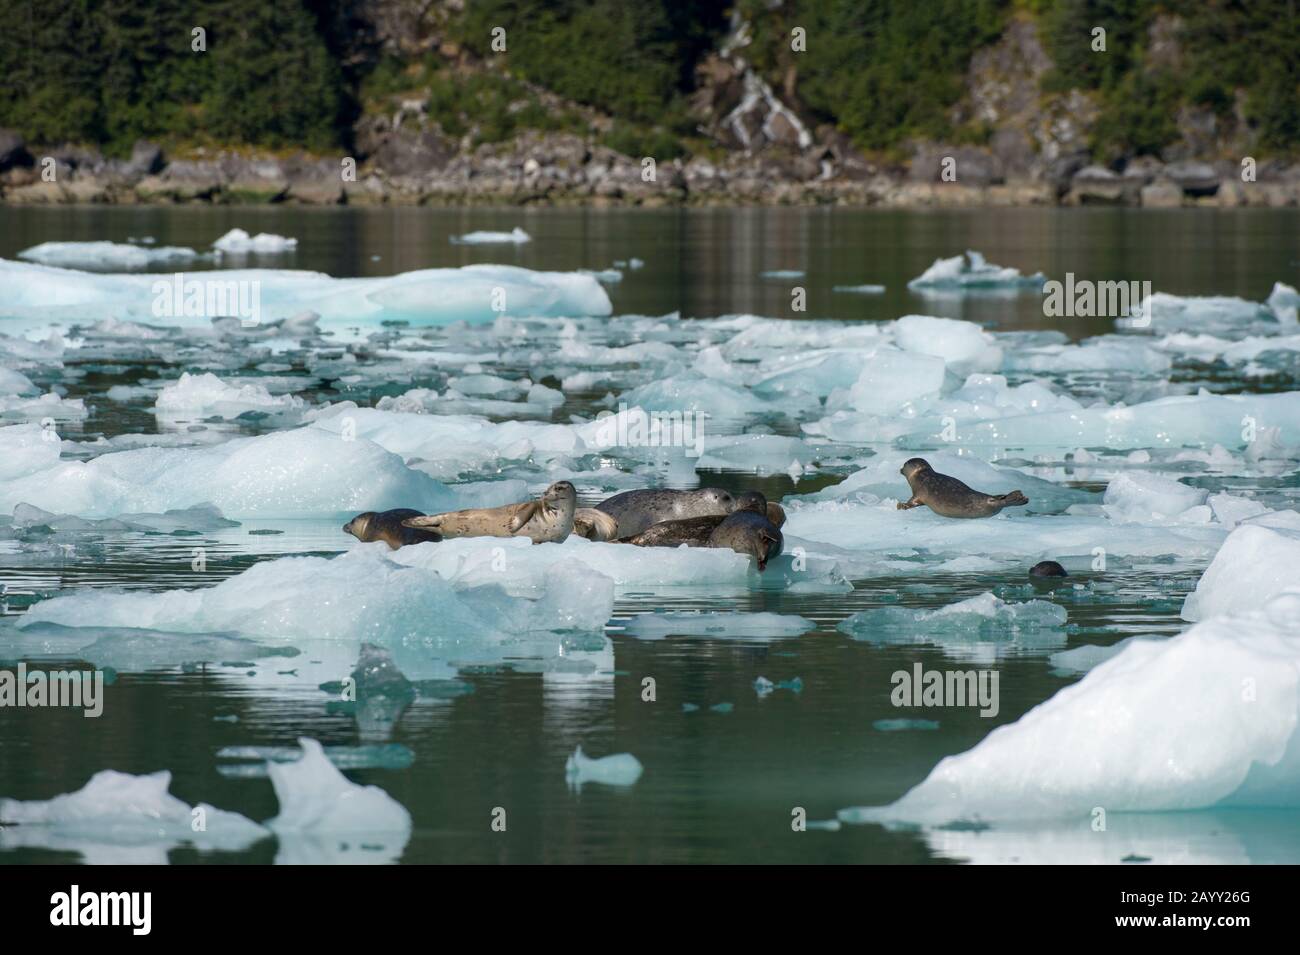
{"x": 13, "y": 150}
{"x": 1162, "y": 194}
{"x": 1194, "y": 178}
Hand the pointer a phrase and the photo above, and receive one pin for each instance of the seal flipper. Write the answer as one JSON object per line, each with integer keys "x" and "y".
{"x": 430, "y": 520}
{"x": 523, "y": 516}
{"x": 1014, "y": 499}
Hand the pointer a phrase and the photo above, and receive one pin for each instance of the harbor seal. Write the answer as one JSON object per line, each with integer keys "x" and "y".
{"x": 637, "y": 510}
{"x": 696, "y": 531}
{"x": 749, "y": 532}
{"x": 547, "y": 518}
{"x": 594, "y": 525}
{"x": 387, "y": 526}
{"x": 1047, "y": 568}
{"x": 949, "y": 497}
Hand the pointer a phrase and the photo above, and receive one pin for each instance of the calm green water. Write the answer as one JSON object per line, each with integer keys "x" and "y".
{"x": 718, "y": 787}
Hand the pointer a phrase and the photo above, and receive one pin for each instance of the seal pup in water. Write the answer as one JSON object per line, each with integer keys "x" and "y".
{"x": 696, "y": 531}
{"x": 636, "y": 510}
{"x": 387, "y": 526}
{"x": 1047, "y": 568}
{"x": 547, "y": 518}
{"x": 949, "y": 497}
{"x": 749, "y": 532}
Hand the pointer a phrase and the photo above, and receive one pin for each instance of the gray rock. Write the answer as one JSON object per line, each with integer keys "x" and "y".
{"x": 1195, "y": 178}
{"x": 1162, "y": 194}
{"x": 146, "y": 159}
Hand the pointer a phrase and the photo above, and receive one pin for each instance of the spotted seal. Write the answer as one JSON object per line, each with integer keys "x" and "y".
{"x": 637, "y": 510}
{"x": 388, "y": 526}
{"x": 547, "y": 518}
{"x": 950, "y": 497}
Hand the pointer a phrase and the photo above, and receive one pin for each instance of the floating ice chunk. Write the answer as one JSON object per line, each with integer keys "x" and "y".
{"x": 718, "y": 625}
{"x": 131, "y": 649}
{"x": 956, "y": 275}
{"x": 982, "y": 616}
{"x": 1107, "y": 354}
{"x": 16, "y": 383}
{"x": 891, "y": 379}
{"x": 38, "y": 295}
{"x": 45, "y": 406}
{"x": 1142, "y": 497}
{"x": 1082, "y": 659}
{"x": 237, "y": 241}
{"x": 515, "y": 236}
{"x": 963, "y": 345}
{"x": 1216, "y": 313}
{"x": 697, "y": 394}
{"x": 206, "y": 395}
{"x": 1283, "y": 302}
{"x": 783, "y": 274}
{"x": 120, "y": 809}
{"x": 1200, "y": 420}
{"x": 619, "y": 769}
{"x": 25, "y": 449}
{"x": 859, "y": 289}
{"x": 894, "y": 726}
{"x": 307, "y": 472}
{"x": 1254, "y": 565}
{"x": 107, "y": 256}
{"x": 1160, "y": 726}
{"x": 315, "y": 798}
{"x": 1230, "y": 510}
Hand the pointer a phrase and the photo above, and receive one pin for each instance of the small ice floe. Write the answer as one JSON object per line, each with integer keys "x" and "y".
{"x": 120, "y": 818}
{"x": 894, "y": 726}
{"x": 982, "y": 616}
{"x": 859, "y": 289}
{"x": 604, "y": 276}
{"x": 13, "y": 384}
{"x": 1084, "y": 658}
{"x": 237, "y": 242}
{"x": 108, "y": 256}
{"x": 765, "y": 687}
{"x": 783, "y": 274}
{"x": 207, "y": 396}
{"x": 515, "y": 236}
{"x": 619, "y": 769}
{"x": 130, "y": 649}
{"x": 199, "y": 519}
{"x": 972, "y": 273}
{"x": 318, "y": 805}
{"x": 718, "y": 624}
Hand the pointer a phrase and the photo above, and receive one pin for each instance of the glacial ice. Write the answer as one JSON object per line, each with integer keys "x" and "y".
{"x": 237, "y": 241}
{"x": 1206, "y": 718}
{"x": 618, "y": 769}
{"x": 973, "y": 273}
{"x": 206, "y": 395}
{"x": 1256, "y": 565}
{"x": 515, "y": 236}
{"x": 109, "y": 256}
{"x": 315, "y": 798}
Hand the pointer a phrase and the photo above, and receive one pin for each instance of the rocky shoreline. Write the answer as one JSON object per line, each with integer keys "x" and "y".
{"x": 562, "y": 169}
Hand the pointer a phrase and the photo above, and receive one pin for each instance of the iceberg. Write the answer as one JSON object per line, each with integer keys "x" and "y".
{"x": 515, "y": 236}
{"x": 1204, "y": 719}
{"x": 206, "y": 395}
{"x": 972, "y": 273}
{"x": 718, "y": 625}
{"x": 1255, "y": 565}
{"x": 238, "y": 242}
{"x": 109, "y": 256}
{"x": 620, "y": 769}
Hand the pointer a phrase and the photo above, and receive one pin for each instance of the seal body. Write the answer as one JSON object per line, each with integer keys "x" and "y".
{"x": 387, "y": 526}
{"x": 637, "y": 510}
{"x": 749, "y": 532}
{"x": 1047, "y": 568}
{"x": 696, "y": 531}
{"x": 548, "y": 518}
{"x": 950, "y": 497}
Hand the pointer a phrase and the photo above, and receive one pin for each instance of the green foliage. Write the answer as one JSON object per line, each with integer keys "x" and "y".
{"x": 632, "y": 140}
{"x": 883, "y": 72}
{"x": 1068, "y": 37}
{"x": 113, "y": 71}
{"x": 630, "y": 59}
